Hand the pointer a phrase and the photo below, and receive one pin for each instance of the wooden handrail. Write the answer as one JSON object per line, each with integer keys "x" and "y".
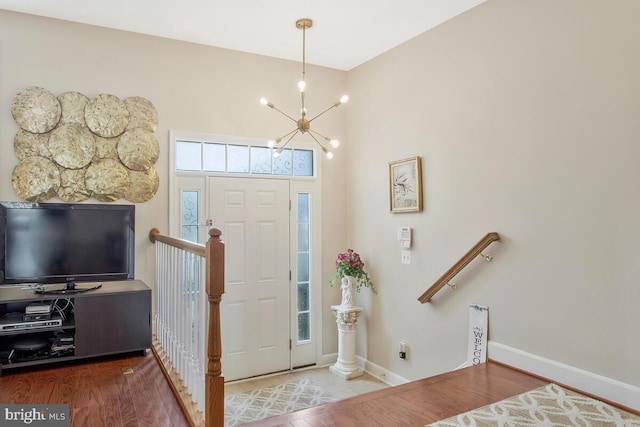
{"x": 213, "y": 253}
{"x": 458, "y": 266}
{"x": 186, "y": 245}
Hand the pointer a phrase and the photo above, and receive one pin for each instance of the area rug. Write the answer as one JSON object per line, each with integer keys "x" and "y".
{"x": 268, "y": 402}
{"x": 550, "y": 405}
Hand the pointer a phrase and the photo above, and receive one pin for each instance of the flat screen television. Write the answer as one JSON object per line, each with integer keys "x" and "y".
{"x": 44, "y": 243}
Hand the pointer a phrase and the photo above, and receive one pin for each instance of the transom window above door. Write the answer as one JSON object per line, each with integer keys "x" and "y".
{"x": 242, "y": 159}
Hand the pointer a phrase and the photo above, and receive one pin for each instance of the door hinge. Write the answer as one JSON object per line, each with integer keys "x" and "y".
{"x": 289, "y": 205}
{"x": 290, "y": 345}
{"x": 289, "y": 275}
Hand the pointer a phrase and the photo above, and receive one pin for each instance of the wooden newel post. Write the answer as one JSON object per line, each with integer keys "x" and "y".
{"x": 214, "y": 380}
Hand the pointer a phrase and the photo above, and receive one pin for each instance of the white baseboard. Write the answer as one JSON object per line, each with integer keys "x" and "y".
{"x": 464, "y": 365}
{"x": 380, "y": 373}
{"x": 328, "y": 359}
{"x": 374, "y": 370}
{"x": 597, "y": 385}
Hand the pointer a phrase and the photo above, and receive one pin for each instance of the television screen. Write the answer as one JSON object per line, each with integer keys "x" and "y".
{"x": 61, "y": 243}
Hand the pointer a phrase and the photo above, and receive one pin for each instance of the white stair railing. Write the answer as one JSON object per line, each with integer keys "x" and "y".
{"x": 180, "y": 319}
{"x": 189, "y": 289}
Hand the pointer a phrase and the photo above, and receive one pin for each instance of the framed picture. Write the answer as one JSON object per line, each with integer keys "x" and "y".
{"x": 405, "y": 185}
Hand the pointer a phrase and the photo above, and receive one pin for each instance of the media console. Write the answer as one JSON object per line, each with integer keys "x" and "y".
{"x": 112, "y": 319}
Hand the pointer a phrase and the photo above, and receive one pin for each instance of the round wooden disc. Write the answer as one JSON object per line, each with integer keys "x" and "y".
{"x": 142, "y": 114}
{"x": 107, "y": 180}
{"x": 27, "y": 144}
{"x": 36, "y": 179}
{"x": 72, "y": 146}
{"x": 106, "y": 148}
{"x": 72, "y": 186}
{"x": 106, "y": 115}
{"x": 73, "y": 104}
{"x": 36, "y": 110}
{"x": 144, "y": 185}
{"x": 138, "y": 149}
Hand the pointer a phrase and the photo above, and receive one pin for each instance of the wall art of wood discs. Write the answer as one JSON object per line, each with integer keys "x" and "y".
{"x": 27, "y": 144}
{"x": 144, "y": 185}
{"x": 77, "y": 147}
{"x": 72, "y": 146}
{"x": 36, "y": 179}
{"x": 142, "y": 113}
{"x": 107, "y": 179}
{"x": 106, "y": 148}
{"x": 138, "y": 149}
{"x": 36, "y": 110}
{"x": 72, "y": 186}
{"x": 106, "y": 115}
{"x": 73, "y": 104}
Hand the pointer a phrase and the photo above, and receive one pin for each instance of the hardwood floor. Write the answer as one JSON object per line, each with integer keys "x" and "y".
{"x": 98, "y": 392}
{"x": 416, "y": 403}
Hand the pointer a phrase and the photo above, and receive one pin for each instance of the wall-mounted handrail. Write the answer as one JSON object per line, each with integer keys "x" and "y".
{"x": 458, "y": 266}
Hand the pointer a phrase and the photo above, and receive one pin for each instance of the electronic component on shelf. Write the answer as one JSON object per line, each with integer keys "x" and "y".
{"x": 43, "y": 307}
{"x": 15, "y": 322}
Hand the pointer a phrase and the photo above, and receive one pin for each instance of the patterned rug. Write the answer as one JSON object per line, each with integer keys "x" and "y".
{"x": 268, "y": 402}
{"x": 550, "y": 405}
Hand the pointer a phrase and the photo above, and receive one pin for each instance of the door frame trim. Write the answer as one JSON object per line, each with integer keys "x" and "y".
{"x": 314, "y": 182}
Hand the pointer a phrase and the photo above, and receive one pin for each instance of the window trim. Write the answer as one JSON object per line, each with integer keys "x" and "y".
{"x": 175, "y": 136}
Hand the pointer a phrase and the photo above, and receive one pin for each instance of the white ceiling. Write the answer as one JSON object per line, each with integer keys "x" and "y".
{"x": 345, "y": 33}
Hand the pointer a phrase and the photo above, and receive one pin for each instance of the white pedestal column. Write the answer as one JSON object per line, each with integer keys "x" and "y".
{"x": 346, "y": 318}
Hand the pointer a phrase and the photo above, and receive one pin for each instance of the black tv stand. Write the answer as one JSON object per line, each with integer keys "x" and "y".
{"x": 114, "y": 318}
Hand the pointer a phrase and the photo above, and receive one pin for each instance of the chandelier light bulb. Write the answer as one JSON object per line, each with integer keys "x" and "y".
{"x": 329, "y": 155}
{"x": 271, "y": 143}
{"x": 264, "y": 101}
{"x": 344, "y": 99}
{"x": 276, "y": 154}
{"x": 335, "y": 143}
{"x": 302, "y": 85}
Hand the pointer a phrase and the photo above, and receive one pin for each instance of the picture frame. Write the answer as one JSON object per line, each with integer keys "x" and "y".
{"x": 405, "y": 185}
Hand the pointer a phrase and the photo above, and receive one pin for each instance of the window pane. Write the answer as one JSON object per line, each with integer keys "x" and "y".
{"x": 303, "y": 207}
{"x": 303, "y": 267}
{"x": 303, "y": 327}
{"x": 303, "y": 297}
{"x": 238, "y": 158}
{"x": 303, "y": 162}
{"x": 282, "y": 163}
{"x": 190, "y": 232}
{"x": 303, "y": 238}
{"x": 188, "y": 156}
{"x": 190, "y": 208}
{"x": 214, "y": 157}
{"x": 260, "y": 160}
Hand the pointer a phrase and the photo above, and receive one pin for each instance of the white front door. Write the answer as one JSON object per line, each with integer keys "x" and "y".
{"x": 253, "y": 215}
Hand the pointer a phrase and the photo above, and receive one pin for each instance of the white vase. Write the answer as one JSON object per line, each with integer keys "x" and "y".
{"x": 347, "y": 286}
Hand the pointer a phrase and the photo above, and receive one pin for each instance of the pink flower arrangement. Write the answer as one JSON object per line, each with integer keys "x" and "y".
{"x": 350, "y": 264}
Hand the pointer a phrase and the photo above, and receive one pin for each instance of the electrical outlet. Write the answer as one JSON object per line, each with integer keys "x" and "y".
{"x": 403, "y": 350}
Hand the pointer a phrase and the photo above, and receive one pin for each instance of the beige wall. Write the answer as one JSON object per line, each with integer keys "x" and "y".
{"x": 194, "y": 88}
{"x": 527, "y": 117}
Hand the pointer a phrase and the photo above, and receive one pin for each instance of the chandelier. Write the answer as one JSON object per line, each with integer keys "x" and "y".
{"x": 303, "y": 125}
